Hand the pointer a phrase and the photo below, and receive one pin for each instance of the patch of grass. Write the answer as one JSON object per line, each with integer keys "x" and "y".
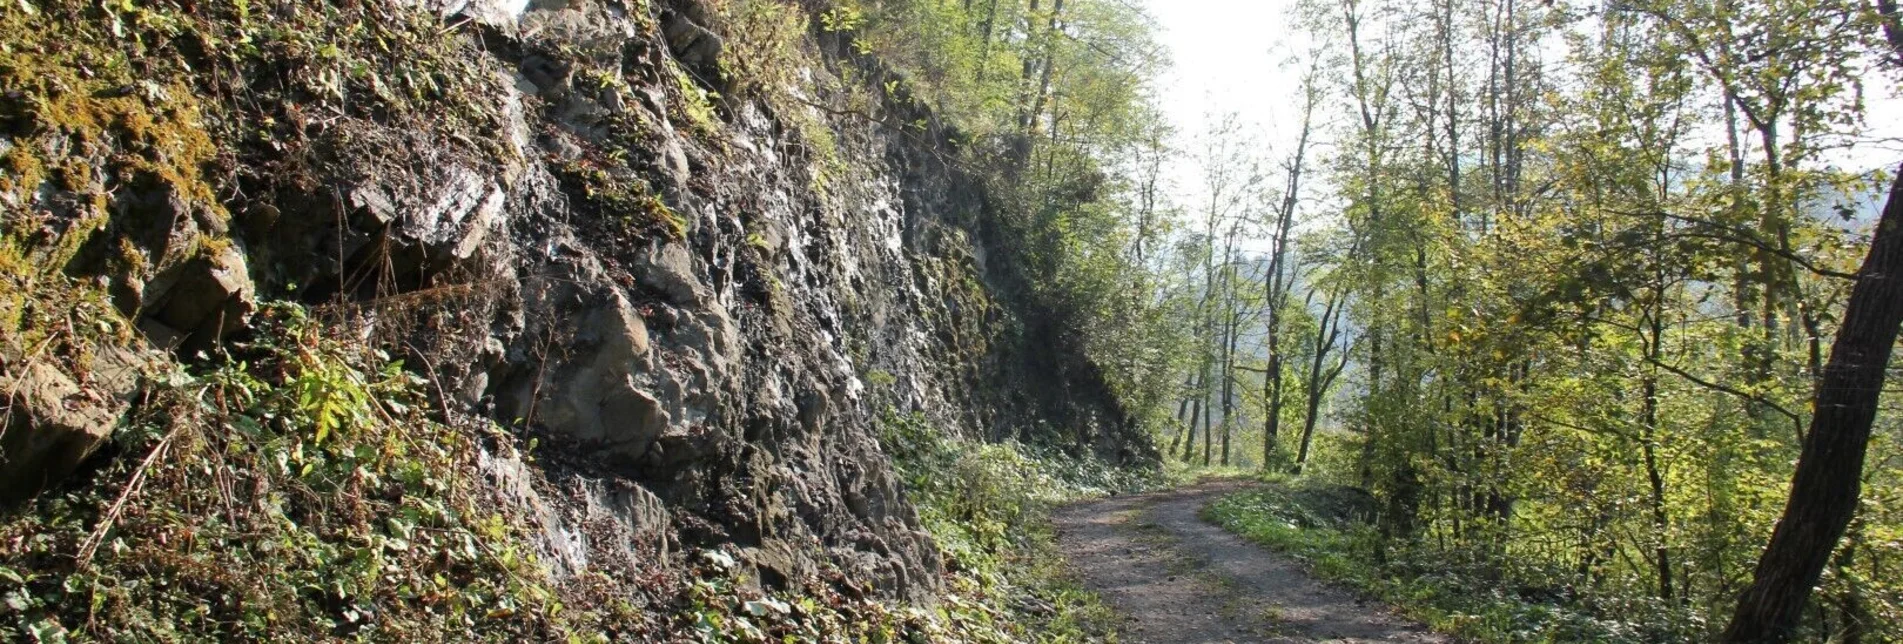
{"x": 1305, "y": 521}
{"x": 987, "y": 505}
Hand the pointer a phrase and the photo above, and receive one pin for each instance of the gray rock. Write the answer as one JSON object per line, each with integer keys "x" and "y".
{"x": 50, "y": 423}
{"x": 691, "y": 43}
{"x": 495, "y": 13}
{"x": 668, "y": 268}
{"x": 600, "y": 401}
{"x": 202, "y": 299}
{"x": 674, "y": 161}
{"x": 451, "y": 216}
{"x": 546, "y": 74}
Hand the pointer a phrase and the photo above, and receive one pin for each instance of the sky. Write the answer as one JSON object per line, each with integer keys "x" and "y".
{"x": 1227, "y": 56}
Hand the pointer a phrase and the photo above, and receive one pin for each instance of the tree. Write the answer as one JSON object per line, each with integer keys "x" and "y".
{"x": 1829, "y": 476}
{"x": 1276, "y": 281}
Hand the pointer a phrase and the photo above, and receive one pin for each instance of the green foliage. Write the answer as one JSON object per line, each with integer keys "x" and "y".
{"x": 1049, "y": 109}
{"x": 986, "y": 506}
{"x": 1588, "y": 330}
{"x": 1312, "y": 524}
{"x": 695, "y": 103}
{"x": 299, "y": 489}
{"x": 625, "y": 201}
{"x": 302, "y": 489}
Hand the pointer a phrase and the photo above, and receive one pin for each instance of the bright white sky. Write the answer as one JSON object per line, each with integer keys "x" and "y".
{"x": 1229, "y": 56}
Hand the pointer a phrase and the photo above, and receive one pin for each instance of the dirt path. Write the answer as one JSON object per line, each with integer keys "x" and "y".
{"x": 1180, "y": 580}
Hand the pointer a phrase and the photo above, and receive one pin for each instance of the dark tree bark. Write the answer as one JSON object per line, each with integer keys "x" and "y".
{"x": 1195, "y": 413}
{"x": 1829, "y": 474}
{"x": 1320, "y": 377}
{"x": 1209, "y": 436}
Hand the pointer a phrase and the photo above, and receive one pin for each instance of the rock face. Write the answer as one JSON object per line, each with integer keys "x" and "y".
{"x": 702, "y": 315}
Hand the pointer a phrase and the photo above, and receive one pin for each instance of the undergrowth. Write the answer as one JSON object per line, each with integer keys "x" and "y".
{"x": 298, "y": 489}
{"x": 1311, "y": 523}
{"x": 987, "y": 505}
{"x": 304, "y": 487}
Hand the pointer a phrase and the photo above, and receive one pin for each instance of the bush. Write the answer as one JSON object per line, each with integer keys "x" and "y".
{"x": 296, "y": 490}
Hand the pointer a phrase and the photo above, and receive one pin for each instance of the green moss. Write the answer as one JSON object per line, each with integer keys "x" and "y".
{"x": 24, "y": 173}
{"x": 79, "y": 113}
{"x": 621, "y": 200}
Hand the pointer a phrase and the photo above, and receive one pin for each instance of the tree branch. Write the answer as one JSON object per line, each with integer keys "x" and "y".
{"x": 1797, "y": 424}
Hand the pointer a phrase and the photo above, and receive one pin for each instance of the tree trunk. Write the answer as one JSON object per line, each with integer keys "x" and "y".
{"x": 1318, "y": 380}
{"x": 1829, "y": 476}
{"x": 1272, "y": 386}
{"x": 1182, "y": 413}
{"x": 1208, "y": 435}
{"x": 1276, "y": 288}
{"x": 1195, "y": 413}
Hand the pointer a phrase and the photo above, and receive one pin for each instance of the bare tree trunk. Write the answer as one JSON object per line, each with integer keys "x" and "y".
{"x": 984, "y": 46}
{"x": 1208, "y": 435}
{"x": 1195, "y": 412}
{"x": 1228, "y": 387}
{"x": 1182, "y": 408}
{"x": 1275, "y": 294}
{"x": 1661, "y": 522}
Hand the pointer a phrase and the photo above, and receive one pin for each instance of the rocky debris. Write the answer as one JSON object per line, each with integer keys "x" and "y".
{"x": 50, "y": 422}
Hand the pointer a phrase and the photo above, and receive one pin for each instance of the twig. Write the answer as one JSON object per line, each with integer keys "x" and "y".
{"x": 91, "y": 544}
{"x": 1736, "y": 235}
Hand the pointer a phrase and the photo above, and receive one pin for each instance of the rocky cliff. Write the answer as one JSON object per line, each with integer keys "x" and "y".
{"x": 698, "y": 293}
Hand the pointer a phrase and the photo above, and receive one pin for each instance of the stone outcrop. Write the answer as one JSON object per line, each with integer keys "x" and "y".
{"x": 702, "y": 316}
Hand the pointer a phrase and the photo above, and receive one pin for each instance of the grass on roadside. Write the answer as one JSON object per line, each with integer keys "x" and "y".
{"x": 1326, "y": 528}
{"x": 988, "y": 507}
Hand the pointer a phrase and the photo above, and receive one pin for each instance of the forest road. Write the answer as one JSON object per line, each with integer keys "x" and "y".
{"x": 1179, "y": 580}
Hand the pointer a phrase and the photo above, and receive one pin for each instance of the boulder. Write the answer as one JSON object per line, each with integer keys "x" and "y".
{"x": 600, "y": 400}
{"x": 692, "y": 44}
{"x": 50, "y": 422}
{"x": 449, "y": 218}
{"x": 666, "y": 267}
{"x": 203, "y": 299}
